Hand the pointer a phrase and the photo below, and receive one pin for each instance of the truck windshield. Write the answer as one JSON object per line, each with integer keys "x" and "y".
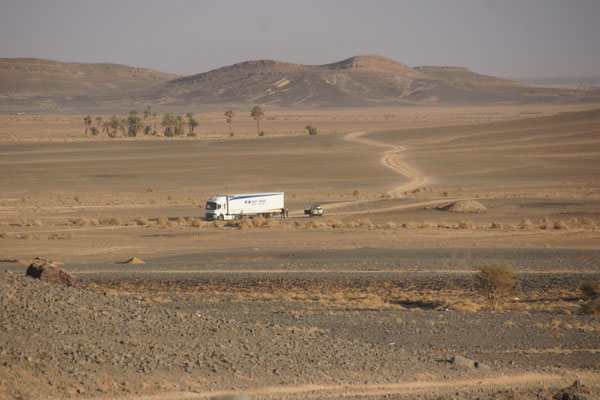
{"x": 211, "y": 205}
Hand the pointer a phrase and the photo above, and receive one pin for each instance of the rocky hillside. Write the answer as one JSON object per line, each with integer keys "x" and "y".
{"x": 357, "y": 81}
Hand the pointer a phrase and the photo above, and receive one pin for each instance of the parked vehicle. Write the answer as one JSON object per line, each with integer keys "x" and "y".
{"x": 237, "y": 206}
{"x": 314, "y": 211}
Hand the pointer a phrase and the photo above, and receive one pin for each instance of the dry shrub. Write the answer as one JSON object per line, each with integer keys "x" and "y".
{"x": 77, "y": 198}
{"x": 352, "y": 225}
{"x": 298, "y": 224}
{"x": 195, "y": 222}
{"x": 496, "y": 282}
{"x": 142, "y": 221}
{"x": 270, "y": 223}
{"x": 356, "y": 193}
{"x": 245, "y": 224}
{"x": 591, "y": 293}
{"x": 497, "y": 225}
{"x": 35, "y": 222}
{"x": 5, "y": 235}
{"x": 218, "y": 224}
{"x": 258, "y": 221}
{"x": 444, "y": 225}
{"x": 26, "y": 236}
{"x": 314, "y": 224}
{"x": 335, "y": 223}
{"x": 365, "y": 223}
{"x": 114, "y": 221}
{"x": 386, "y": 196}
{"x": 588, "y": 223}
{"x": 150, "y": 190}
{"x": 409, "y": 225}
{"x": 182, "y": 221}
{"x": 391, "y": 225}
{"x": 232, "y": 223}
{"x": 511, "y": 227}
{"x": 466, "y": 225}
{"x": 428, "y": 225}
{"x": 545, "y": 223}
{"x": 94, "y": 222}
{"x": 81, "y": 221}
{"x": 162, "y": 222}
{"x": 526, "y": 224}
{"x": 560, "y": 224}
{"x": 465, "y": 305}
{"x": 56, "y": 236}
{"x": 20, "y": 222}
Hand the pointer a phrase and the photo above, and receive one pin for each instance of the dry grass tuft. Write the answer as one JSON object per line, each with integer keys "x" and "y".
{"x": 81, "y": 221}
{"x": 335, "y": 223}
{"x": 142, "y": 221}
{"x": 150, "y": 190}
{"x": 560, "y": 224}
{"x": 444, "y": 225}
{"x": 409, "y": 225}
{"x": 56, "y": 236}
{"x": 218, "y": 224}
{"x": 545, "y": 223}
{"x": 526, "y": 224}
{"x": 466, "y": 225}
{"x": 35, "y": 222}
{"x": 245, "y": 224}
{"x": 5, "y": 235}
{"x": 164, "y": 222}
{"x": 314, "y": 224}
{"x": 113, "y": 221}
{"x": 386, "y": 196}
{"x": 497, "y": 225}
{"x": 195, "y": 222}
{"x": 258, "y": 221}
{"x": 182, "y": 221}
{"x": 365, "y": 223}
{"x": 25, "y": 236}
{"x": 587, "y": 223}
{"x": 270, "y": 223}
{"x": 428, "y": 225}
{"x": 391, "y": 225}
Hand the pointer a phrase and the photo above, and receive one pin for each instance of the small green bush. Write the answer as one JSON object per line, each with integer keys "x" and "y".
{"x": 591, "y": 293}
{"x": 496, "y": 282}
{"x": 311, "y": 129}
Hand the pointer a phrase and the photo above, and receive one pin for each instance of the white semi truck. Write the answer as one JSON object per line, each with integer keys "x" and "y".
{"x": 237, "y": 206}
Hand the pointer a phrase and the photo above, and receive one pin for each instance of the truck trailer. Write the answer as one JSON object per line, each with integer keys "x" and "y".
{"x": 237, "y": 206}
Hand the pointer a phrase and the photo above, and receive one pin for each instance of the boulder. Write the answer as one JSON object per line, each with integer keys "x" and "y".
{"x": 48, "y": 271}
{"x": 463, "y": 362}
{"x": 464, "y": 206}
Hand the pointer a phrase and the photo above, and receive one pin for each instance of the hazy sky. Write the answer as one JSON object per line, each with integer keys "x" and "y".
{"x": 508, "y": 38}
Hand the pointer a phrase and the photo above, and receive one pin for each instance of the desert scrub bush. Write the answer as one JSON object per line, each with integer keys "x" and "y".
{"x": 391, "y": 225}
{"x": 496, "y": 282}
{"x": 365, "y": 223}
{"x": 164, "y": 222}
{"x": 314, "y": 224}
{"x": 311, "y": 129}
{"x": 55, "y": 236}
{"x": 335, "y": 223}
{"x": 195, "y": 222}
{"x": 526, "y": 224}
{"x": 258, "y": 221}
{"x": 35, "y": 222}
{"x": 245, "y": 224}
{"x": 270, "y": 223}
{"x": 497, "y": 225}
{"x": 25, "y": 236}
{"x": 182, "y": 221}
{"x": 444, "y": 225}
{"x": 545, "y": 223}
{"x": 150, "y": 190}
{"x": 218, "y": 224}
{"x": 5, "y": 235}
{"x": 113, "y": 221}
{"x": 591, "y": 294}
{"x": 409, "y": 225}
{"x": 428, "y": 225}
{"x": 587, "y": 223}
{"x": 356, "y": 193}
{"x": 143, "y": 221}
{"x": 560, "y": 224}
{"x": 386, "y": 196}
{"x": 81, "y": 221}
{"x": 466, "y": 225}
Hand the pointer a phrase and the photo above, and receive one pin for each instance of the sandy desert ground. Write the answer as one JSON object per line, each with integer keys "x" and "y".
{"x": 379, "y": 292}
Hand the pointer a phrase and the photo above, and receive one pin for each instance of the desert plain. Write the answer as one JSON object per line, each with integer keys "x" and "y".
{"x": 372, "y": 300}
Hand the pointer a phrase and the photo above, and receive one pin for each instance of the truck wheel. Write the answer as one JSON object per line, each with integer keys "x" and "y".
{"x": 221, "y": 217}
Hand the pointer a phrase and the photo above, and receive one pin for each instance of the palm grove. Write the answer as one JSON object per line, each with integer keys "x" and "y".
{"x": 172, "y": 124}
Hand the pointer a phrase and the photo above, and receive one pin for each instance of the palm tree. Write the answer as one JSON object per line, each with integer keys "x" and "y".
{"x": 169, "y": 122}
{"x": 87, "y": 120}
{"x": 148, "y": 117}
{"x": 257, "y": 114}
{"x": 134, "y": 124}
{"x": 179, "y": 123}
{"x": 192, "y": 123}
{"x": 230, "y": 114}
{"x": 114, "y": 124}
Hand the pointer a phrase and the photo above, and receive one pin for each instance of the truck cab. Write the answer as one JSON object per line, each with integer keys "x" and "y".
{"x": 216, "y": 207}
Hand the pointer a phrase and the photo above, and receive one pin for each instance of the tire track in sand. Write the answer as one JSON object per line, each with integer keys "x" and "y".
{"x": 433, "y": 387}
{"x": 392, "y": 158}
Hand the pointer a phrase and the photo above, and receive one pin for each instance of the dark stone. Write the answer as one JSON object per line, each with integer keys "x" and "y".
{"x": 46, "y": 271}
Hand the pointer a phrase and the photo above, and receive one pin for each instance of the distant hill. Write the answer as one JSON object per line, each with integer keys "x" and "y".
{"x": 357, "y": 81}
{"x": 33, "y": 79}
